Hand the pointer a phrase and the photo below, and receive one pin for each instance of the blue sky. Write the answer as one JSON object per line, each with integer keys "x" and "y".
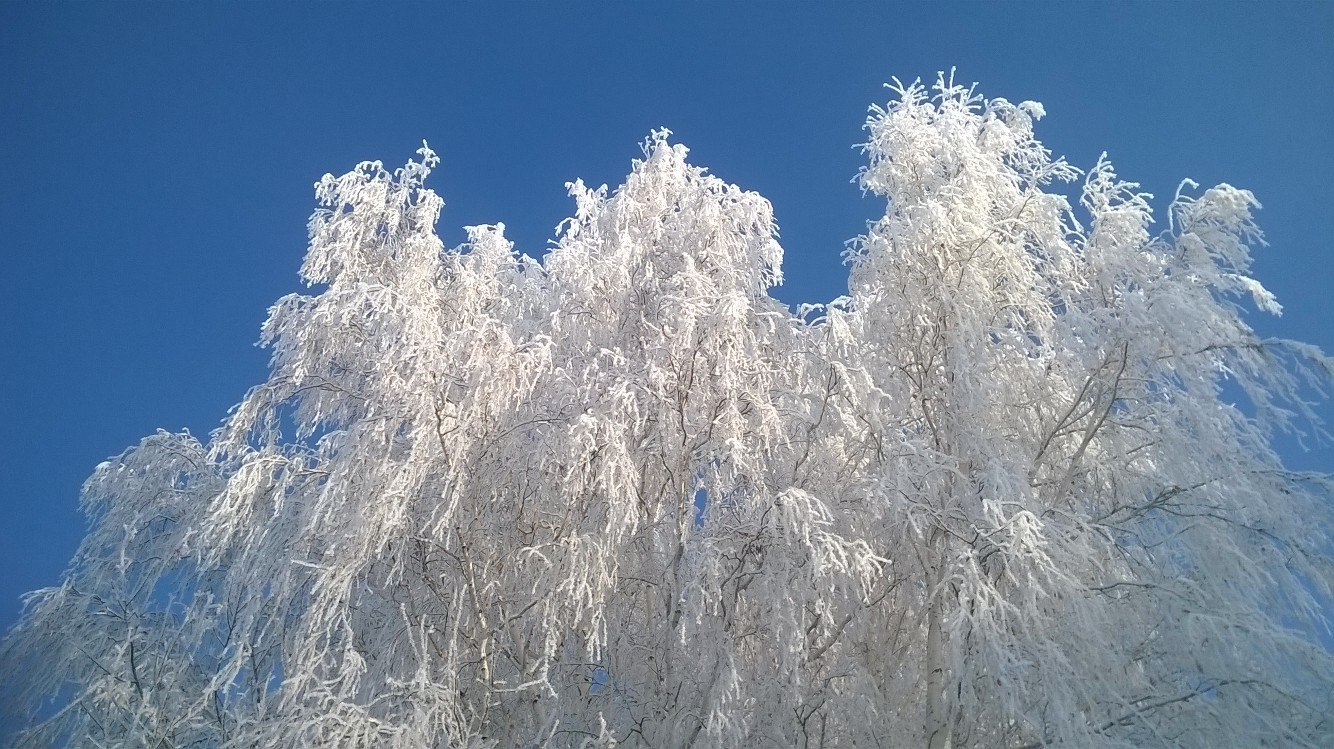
{"x": 160, "y": 160}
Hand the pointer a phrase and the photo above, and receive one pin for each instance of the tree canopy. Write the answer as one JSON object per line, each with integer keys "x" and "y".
{"x": 998, "y": 495}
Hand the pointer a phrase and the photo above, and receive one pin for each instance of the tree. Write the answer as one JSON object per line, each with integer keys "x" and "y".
{"x": 995, "y": 496}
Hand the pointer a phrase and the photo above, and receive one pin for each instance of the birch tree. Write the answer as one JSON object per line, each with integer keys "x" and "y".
{"x": 1000, "y": 494}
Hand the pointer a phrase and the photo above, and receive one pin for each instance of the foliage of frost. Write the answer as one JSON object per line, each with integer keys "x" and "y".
{"x": 993, "y": 497}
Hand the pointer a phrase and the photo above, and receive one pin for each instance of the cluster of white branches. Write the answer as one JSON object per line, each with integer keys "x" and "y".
{"x": 996, "y": 496}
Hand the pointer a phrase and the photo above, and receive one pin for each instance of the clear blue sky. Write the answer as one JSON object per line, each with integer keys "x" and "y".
{"x": 159, "y": 160}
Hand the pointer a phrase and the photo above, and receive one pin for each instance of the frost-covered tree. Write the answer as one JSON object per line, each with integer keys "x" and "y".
{"x": 996, "y": 496}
